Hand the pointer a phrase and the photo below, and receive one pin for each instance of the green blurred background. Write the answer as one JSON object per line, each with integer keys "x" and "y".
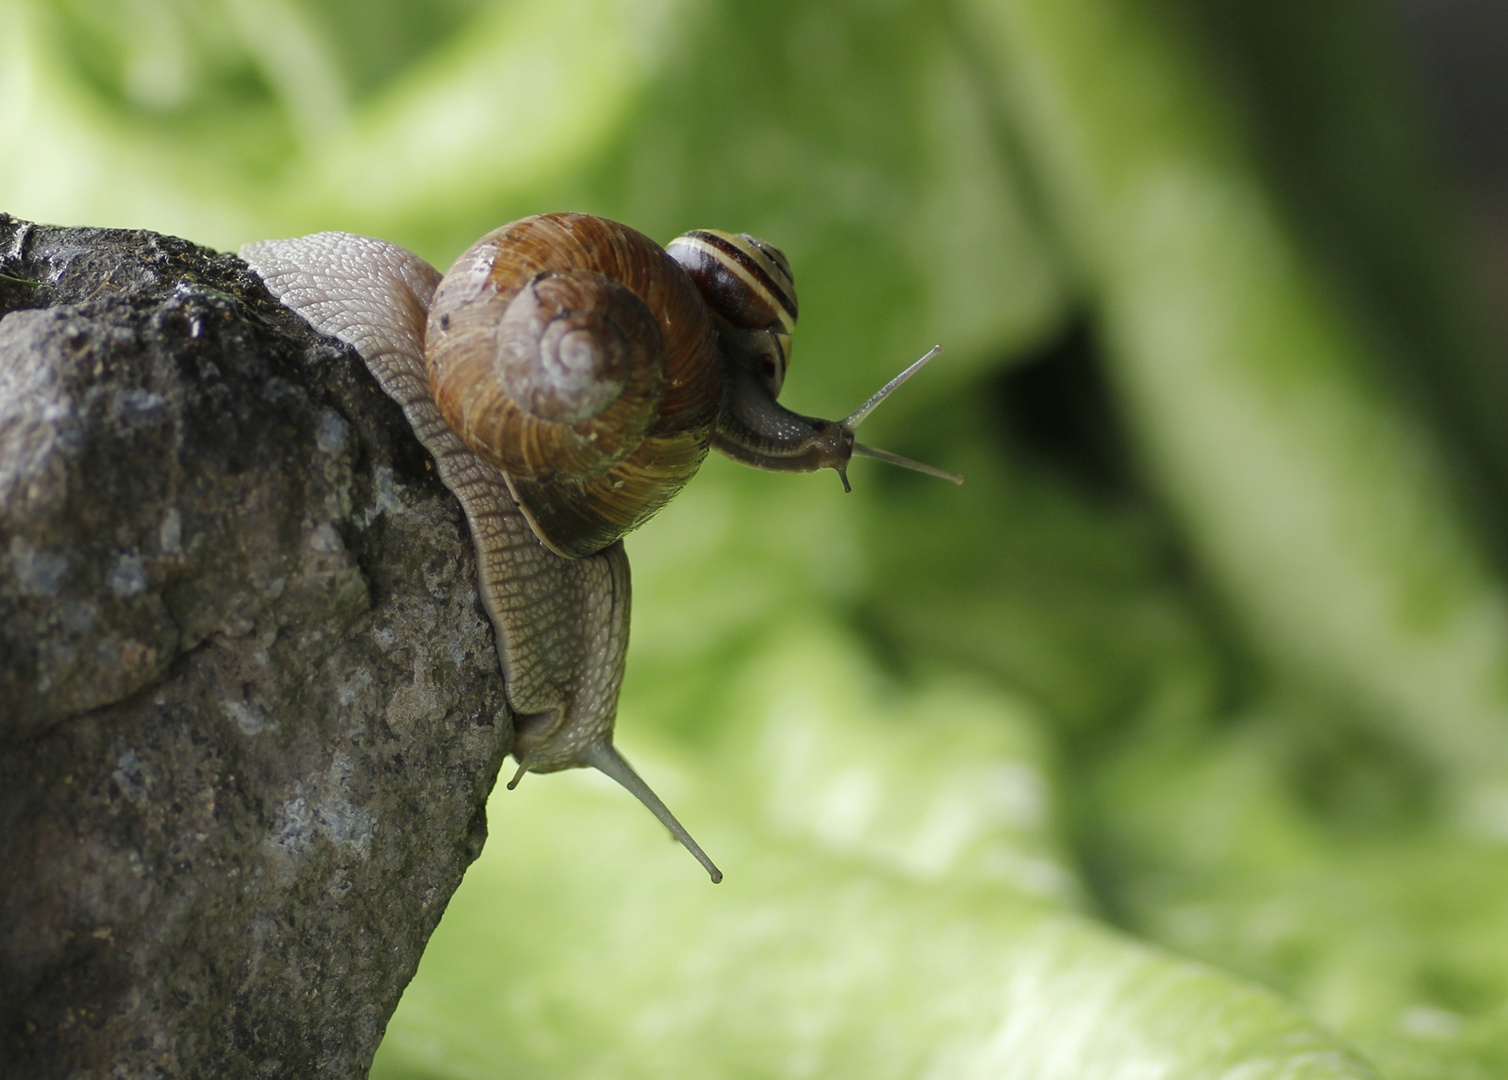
{"x": 1173, "y": 744}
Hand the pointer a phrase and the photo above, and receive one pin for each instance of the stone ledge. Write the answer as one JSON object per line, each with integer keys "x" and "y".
{"x": 250, "y": 708}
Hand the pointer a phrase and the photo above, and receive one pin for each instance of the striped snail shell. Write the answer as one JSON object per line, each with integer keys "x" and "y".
{"x": 568, "y": 377}
{"x": 748, "y": 286}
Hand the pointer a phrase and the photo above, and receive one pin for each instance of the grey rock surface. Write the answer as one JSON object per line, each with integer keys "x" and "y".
{"x": 250, "y": 708}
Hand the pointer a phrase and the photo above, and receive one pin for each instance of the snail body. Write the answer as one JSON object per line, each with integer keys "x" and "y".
{"x": 569, "y": 376}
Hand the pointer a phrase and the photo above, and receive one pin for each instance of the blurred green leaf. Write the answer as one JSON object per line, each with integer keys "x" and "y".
{"x": 1316, "y": 498}
{"x": 892, "y": 913}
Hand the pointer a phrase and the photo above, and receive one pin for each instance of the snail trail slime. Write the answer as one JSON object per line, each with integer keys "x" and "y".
{"x": 569, "y": 376}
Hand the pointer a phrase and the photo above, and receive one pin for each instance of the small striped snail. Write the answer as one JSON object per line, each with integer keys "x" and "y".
{"x": 569, "y": 376}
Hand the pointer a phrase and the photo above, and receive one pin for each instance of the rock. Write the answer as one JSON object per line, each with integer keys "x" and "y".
{"x": 250, "y": 707}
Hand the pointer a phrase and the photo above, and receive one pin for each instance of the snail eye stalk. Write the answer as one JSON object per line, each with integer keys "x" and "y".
{"x": 857, "y": 417}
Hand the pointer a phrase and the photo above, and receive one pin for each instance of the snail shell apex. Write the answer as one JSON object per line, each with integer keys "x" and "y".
{"x": 569, "y": 346}
{"x": 521, "y": 328}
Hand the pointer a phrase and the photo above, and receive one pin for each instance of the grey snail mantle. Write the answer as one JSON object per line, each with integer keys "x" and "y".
{"x": 503, "y": 367}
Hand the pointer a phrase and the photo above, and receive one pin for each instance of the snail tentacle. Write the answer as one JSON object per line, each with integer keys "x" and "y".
{"x": 604, "y": 757}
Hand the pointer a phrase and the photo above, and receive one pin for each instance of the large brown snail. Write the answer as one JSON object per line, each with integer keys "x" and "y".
{"x": 569, "y": 376}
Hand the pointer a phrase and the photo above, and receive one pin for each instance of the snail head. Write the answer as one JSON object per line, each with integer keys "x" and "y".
{"x": 748, "y": 286}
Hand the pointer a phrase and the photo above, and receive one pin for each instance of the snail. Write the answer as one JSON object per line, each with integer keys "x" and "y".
{"x": 569, "y": 376}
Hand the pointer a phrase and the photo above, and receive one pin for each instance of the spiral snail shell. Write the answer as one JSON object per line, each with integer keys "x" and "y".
{"x": 571, "y": 353}
{"x": 569, "y": 376}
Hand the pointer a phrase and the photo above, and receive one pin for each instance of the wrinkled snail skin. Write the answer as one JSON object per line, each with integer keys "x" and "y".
{"x": 569, "y": 376}
{"x": 757, "y": 431}
{"x": 561, "y": 624}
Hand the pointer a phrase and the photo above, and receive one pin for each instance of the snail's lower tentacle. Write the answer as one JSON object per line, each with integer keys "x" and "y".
{"x": 602, "y": 756}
